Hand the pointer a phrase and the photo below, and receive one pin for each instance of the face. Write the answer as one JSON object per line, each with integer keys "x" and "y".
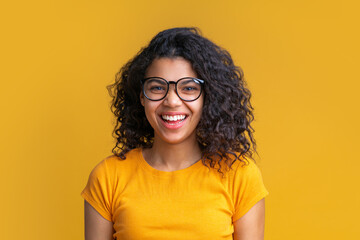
{"x": 174, "y": 121}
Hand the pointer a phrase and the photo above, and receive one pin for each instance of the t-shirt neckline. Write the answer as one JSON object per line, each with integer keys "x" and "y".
{"x": 145, "y": 165}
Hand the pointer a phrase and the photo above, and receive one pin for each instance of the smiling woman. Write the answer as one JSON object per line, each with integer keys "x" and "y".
{"x": 182, "y": 166}
{"x": 173, "y": 119}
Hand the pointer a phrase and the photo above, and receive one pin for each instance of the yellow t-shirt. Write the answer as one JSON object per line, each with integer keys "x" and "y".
{"x": 191, "y": 203}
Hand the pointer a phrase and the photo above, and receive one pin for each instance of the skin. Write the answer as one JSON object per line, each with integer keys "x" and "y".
{"x": 96, "y": 227}
{"x": 172, "y": 146}
{"x": 251, "y": 225}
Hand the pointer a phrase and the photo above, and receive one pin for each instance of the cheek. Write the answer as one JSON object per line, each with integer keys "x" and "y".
{"x": 200, "y": 105}
{"x": 150, "y": 110}
{"x": 197, "y": 109}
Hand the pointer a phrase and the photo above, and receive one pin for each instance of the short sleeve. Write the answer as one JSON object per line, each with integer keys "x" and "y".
{"x": 248, "y": 188}
{"x": 98, "y": 191}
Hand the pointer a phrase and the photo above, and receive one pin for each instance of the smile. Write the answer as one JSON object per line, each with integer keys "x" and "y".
{"x": 173, "y": 121}
{"x": 173, "y": 117}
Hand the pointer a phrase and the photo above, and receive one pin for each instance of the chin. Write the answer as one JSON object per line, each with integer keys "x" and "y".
{"x": 174, "y": 140}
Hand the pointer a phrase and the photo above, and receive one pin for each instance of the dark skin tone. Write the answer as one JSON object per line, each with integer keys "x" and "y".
{"x": 171, "y": 146}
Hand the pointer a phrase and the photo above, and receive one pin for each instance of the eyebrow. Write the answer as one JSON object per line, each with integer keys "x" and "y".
{"x": 196, "y": 80}
{"x": 156, "y": 80}
{"x": 191, "y": 80}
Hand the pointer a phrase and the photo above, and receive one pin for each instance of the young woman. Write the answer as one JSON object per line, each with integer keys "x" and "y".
{"x": 182, "y": 166}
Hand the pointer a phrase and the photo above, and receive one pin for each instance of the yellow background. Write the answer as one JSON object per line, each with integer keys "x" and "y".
{"x": 301, "y": 61}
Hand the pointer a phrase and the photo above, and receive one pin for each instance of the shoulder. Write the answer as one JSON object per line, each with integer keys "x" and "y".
{"x": 131, "y": 158}
{"x": 244, "y": 164}
{"x": 113, "y": 165}
{"x": 245, "y": 168}
{"x": 247, "y": 187}
{"x": 236, "y": 165}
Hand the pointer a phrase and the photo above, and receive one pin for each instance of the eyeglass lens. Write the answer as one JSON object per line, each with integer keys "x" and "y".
{"x": 187, "y": 88}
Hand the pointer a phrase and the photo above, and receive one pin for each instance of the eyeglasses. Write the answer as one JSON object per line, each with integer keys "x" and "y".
{"x": 156, "y": 88}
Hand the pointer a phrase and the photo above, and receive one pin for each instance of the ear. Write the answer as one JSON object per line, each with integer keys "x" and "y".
{"x": 142, "y": 100}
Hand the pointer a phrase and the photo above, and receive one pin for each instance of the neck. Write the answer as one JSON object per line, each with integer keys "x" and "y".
{"x": 171, "y": 157}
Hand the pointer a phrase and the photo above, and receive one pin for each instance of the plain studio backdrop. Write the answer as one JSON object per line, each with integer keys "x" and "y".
{"x": 301, "y": 62}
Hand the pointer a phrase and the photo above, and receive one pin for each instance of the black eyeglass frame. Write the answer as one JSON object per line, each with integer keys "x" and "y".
{"x": 168, "y": 87}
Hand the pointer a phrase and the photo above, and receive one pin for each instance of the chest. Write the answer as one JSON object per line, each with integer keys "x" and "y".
{"x": 150, "y": 207}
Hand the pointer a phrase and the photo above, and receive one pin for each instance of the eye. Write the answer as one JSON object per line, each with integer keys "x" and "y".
{"x": 157, "y": 88}
{"x": 189, "y": 88}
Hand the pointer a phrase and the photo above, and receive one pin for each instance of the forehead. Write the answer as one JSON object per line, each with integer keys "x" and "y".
{"x": 171, "y": 69}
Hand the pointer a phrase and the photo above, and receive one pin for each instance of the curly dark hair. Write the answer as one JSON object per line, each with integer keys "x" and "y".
{"x": 224, "y": 132}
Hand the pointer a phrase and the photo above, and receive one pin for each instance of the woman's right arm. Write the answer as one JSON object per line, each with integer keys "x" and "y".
{"x": 96, "y": 227}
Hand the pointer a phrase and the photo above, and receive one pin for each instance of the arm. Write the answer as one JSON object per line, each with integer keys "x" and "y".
{"x": 251, "y": 225}
{"x": 96, "y": 227}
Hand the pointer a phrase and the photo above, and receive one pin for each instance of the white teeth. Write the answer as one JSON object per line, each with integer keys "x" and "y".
{"x": 173, "y": 117}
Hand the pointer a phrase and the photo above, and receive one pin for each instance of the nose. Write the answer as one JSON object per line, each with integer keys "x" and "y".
{"x": 172, "y": 99}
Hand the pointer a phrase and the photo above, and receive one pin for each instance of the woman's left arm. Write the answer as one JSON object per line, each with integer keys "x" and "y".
{"x": 251, "y": 225}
